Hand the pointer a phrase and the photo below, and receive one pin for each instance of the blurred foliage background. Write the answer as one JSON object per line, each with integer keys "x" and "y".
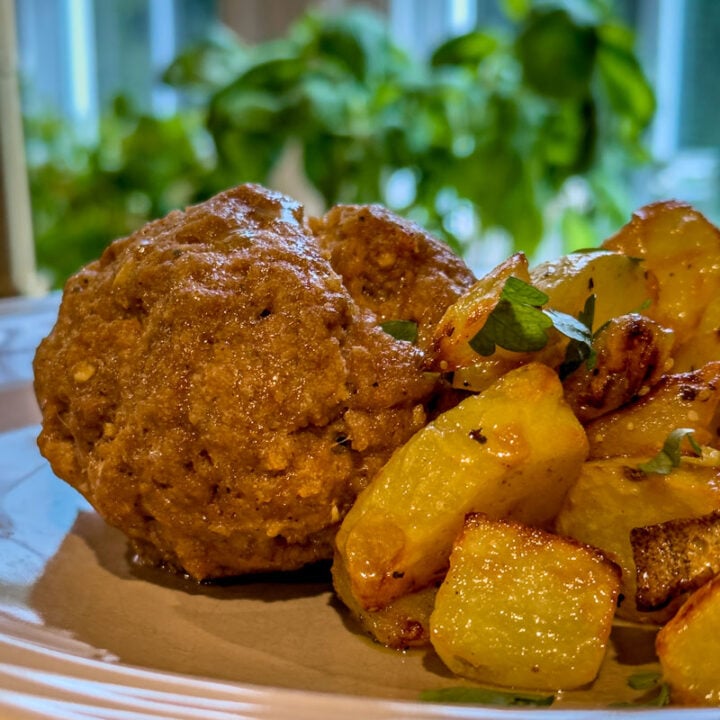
{"x": 528, "y": 131}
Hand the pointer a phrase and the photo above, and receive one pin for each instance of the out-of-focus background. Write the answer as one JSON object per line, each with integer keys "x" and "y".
{"x": 500, "y": 125}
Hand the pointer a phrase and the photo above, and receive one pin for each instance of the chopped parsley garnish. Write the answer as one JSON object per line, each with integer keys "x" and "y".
{"x": 578, "y": 350}
{"x": 644, "y": 680}
{"x": 484, "y": 696}
{"x": 406, "y": 330}
{"x": 519, "y": 322}
{"x": 670, "y": 455}
{"x": 651, "y": 681}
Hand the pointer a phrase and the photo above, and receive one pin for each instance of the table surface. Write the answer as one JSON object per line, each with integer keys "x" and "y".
{"x": 24, "y": 322}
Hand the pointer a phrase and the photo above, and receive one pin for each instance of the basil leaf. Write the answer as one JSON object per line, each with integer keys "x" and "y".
{"x": 670, "y": 455}
{"x": 406, "y": 330}
{"x": 484, "y": 696}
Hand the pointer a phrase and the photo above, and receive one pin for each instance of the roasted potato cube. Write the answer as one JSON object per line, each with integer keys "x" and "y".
{"x": 511, "y": 451}
{"x": 632, "y": 354}
{"x": 524, "y": 608}
{"x": 674, "y": 557}
{"x": 682, "y": 249}
{"x": 689, "y": 648}
{"x": 479, "y": 377}
{"x": 403, "y": 623}
{"x": 450, "y": 349}
{"x": 678, "y": 400}
{"x": 621, "y": 284}
{"x": 703, "y": 346}
{"x": 611, "y": 497}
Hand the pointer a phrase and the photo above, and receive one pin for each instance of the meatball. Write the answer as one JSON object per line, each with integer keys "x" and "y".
{"x": 391, "y": 265}
{"x": 216, "y": 393}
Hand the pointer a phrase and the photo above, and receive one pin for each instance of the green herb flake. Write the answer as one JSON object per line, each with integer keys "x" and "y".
{"x": 670, "y": 455}
{"x": 520, "y": 324}
{"x": 406, "y": 330}
{"x": 484, "y": 696}
{"x": 644, "y": 680}
{"x": 518, "y": 291}
{"x": 580, "y": 349}
{"x": 651, "y": 681}
{"x": 570, "y": 327}
{"x": 513, "y": 326}
{"x": 663, "y": 696}
{"x": 587, "y": 315}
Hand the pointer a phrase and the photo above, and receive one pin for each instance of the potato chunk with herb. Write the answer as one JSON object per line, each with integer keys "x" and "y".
{"x": 675, "y": 557}
{"x": 682, "y": 249}
{"x": 621, "y": 284}
{"x": 524, "y": 608}
{"x": 613, "y": 496}
{"x": 511, "y": 451}
{"x": 678, "y": 400}
{"x": 450, "y": 348}
{"x": 689, "y": 648}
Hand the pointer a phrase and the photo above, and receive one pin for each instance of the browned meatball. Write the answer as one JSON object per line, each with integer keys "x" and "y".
{"x": 391, "y": 265}
{"x": 216, "y": 393}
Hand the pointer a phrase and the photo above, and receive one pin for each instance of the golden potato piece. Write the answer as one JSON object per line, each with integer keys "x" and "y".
{"x": 449, "y": 348}
{"x": 621, "y": 284}
{"x": 682, "y": 249}
{"x": 674, "y": 557}
{"x": 403, "y": 623}
{"x": 689, "y": 648}
{"x": 611, "y": 497}
{"x": 632, "y": 353}
{"x": 703, "y": 346}
{"x": 524, "y": 608}
{"x": 511, "y": 451}
{"x": 678, "y": 400}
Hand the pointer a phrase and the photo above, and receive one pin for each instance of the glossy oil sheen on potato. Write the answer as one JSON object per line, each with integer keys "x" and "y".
{"x": 682, "y": 249}
{"x": 689, "y": 648}
{"x": 621, "y": 284}
{"x": 403, "y": 623}
{"x": 611, "y": 497}
{"x": 678, "y": 400}
{"x": 511, "y": 451}
{"x": 524, "y": 608}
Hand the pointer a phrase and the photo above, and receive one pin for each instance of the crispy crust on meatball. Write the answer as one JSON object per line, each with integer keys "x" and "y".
{"x": 214, "y": 391}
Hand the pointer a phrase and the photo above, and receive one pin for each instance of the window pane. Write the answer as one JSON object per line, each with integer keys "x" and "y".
{"x": 700, "y": 96}
{"x": 123, "y": 56}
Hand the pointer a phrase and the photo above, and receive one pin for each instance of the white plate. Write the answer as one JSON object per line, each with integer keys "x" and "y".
{"x": 86, "y": 634}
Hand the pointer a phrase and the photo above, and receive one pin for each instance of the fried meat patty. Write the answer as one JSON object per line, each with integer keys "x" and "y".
{"x": 216, "y": 393}
{"x": 391, "y": 265}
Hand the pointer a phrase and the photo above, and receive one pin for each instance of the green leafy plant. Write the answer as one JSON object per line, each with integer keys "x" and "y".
{"x": 83, "y": 197}
{"x": 529, "y": 129}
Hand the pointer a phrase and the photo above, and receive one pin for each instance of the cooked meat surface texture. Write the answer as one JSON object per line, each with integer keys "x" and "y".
{"x": 216, "y": 393}
{"x": 391, "y": 265}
